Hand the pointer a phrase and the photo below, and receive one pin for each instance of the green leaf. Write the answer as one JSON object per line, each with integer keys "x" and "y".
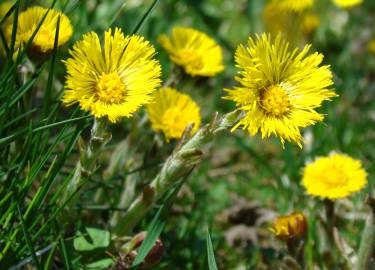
{"x": 91, "y": 239}
{"x": 100, "y": 265}
{"x": 210, "y": 253}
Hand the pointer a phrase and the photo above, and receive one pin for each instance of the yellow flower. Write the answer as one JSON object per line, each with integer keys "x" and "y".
{"x": 275, "y": 18}
{"x": 113, "y": 81}
{"x": 280, "y": 88}
{"x": 295, "y": 5}
{"x": 310, "y": 22}
{"x": 335, "y": 176}
{"x": 347, "y": 3}
{"x": 4, "y": 8}
{"x": 290, "y": 226}
{"x": 371, "y": 46}
{"x": 196, "y": 52}
{"x": 44, "y": 40}
{"x": 172, "y": 112}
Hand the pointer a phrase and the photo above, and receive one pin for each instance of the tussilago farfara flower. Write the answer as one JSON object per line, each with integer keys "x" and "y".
{"x": 194, "y": 51}
{"x": 371, "y": 46}
{"x": 44, "y": 40}
{"x": 295, "y": 5}
{"x": 172, "y": 112}
{"x": 310, "y": 22}
{"x": 276, "y": 19}
{"x": 113, "y": 81}
{"x": 290, "y": 24}
{"x": 280, "y": 88}
{"x": 4, "y": 8}
{"x": 347, "y": 3}
{"x": 335, "y": 176}
{"x": 290, "y": 226}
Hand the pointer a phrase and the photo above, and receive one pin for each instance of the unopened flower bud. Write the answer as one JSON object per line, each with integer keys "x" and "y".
{"x": 290, "y": 226}
{"x": 155, "y": 254}
{"x": 131, "y": 249}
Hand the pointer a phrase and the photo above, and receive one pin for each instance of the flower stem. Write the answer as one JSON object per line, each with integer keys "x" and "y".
{"x": 179, "y": 164}
{"x": 330, "y": 219}
{"x": 88, "y": 157}
{"x": 368, "y": 240}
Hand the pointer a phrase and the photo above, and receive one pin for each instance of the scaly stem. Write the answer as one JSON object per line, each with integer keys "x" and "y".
{"x": 176, "y": 166}
{"x": 88, "y": 157}
{"x": 368, "y": 240}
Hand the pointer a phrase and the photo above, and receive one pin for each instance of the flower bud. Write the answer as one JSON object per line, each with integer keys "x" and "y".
{"x": 290, "y": 226}
{"x": 130, "y": 252}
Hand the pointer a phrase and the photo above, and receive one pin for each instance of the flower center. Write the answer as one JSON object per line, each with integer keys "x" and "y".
{"x": 190, "y": 58}
{"x": 335, "y": 178}
{"x": 110, "y": 88}
{"x": 275, "y": 101}
{"x": 173, "y": 122}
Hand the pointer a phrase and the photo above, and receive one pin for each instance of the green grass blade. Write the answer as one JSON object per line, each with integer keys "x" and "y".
{"x": 153, "y": 232}
{"x": 46, "y": 98}
{"x": 28, "y": 238}
{"x": 47, "y": 264}
{"x": 14, "y": 32}
{"x": 9, "y": 12}
{"x": 144, "y": 18}
{"x": 210, "y": 253}
{"x": 18, "y": 133}
{"x": 64, "y": 251}
{"x": 27, "y": 86}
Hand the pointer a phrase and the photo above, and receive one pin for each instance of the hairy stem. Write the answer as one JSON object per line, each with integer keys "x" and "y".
{"x": 179, "y": 164}
{"x": 88, "y": 157}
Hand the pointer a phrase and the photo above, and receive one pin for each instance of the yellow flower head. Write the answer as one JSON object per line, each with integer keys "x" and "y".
{"x": 172, "y": 112}
{"x": 335, "y": 176}
{"x": 295, "y": 5}
{"x": 371, "y": 46}
{"x": 310, "y": 22}
{"x": 290, "y": 226}
{"x": 347, "y": 3}
{"x": 4, "y": 8}
{"x": 290, "y": 24}
{"x": 113, "y": 81}
{"x": 280, "y": 88}
{"x": 196, "y": 52}
{"x": 44, "y": 40}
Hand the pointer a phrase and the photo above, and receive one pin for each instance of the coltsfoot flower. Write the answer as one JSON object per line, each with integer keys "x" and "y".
{"x": 276, "y": 19}
{"x": 310, "y": 22}
{"x": 44, "y": 40}
{"x": 280, "y": 88}
{"x": 113, "y": 81}
{"x": 333, "y": 177}
{"x": 347, "y": 3}
{"x": 194, "y": 51}
{"x": 172, "y": 112}
{"x": 371, "y": 46}
{"x": 4, "y": 8}
{"x": 295, "y": 5}
{"x": 290, "y": 226}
